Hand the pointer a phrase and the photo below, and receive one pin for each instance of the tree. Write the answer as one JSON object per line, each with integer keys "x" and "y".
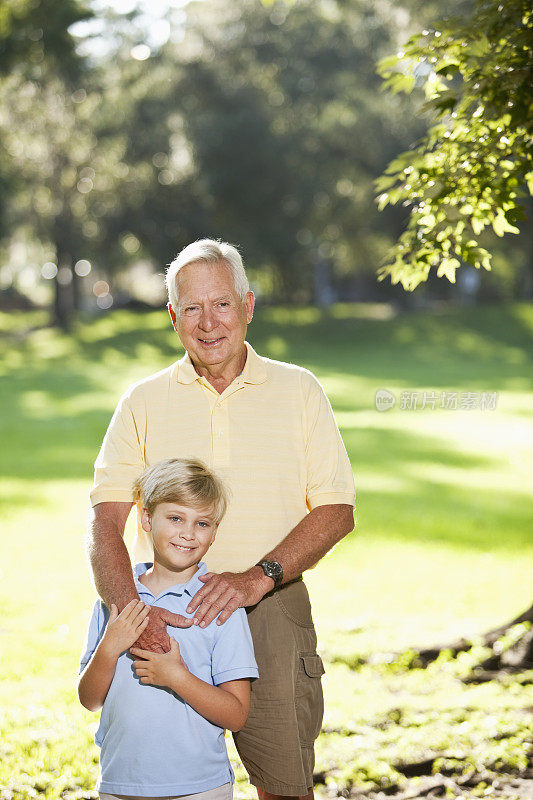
{"x": 471, "y": 170}
{"x": 33, "y": 33}
{"x": 63, "y": 178}
{"x": 288, "y": 131}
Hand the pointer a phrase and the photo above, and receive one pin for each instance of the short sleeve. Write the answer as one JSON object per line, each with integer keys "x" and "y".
{"x": 95, "y": 631}
{"x": 329, "y": 472}
{"x": 121, "y": 457}
{"x": 233, "y": 650}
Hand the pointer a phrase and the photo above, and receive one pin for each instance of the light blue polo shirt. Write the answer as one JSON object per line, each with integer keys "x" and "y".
{"x": 152, "y": 742}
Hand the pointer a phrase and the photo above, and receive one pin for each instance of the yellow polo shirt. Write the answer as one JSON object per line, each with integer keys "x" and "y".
{"x": 270, "y": 436}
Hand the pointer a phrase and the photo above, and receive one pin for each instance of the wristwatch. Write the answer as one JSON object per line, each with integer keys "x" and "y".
{"x": 272, "y": 570}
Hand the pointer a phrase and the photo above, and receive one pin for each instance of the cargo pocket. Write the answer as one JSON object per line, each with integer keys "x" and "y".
{"x": 308, "y": 697}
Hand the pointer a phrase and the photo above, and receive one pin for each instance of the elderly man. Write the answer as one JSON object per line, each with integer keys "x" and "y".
{"x": 267, "y": 429}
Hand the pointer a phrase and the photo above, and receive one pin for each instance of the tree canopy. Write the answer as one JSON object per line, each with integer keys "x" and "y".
{"x": 473, "y": 168}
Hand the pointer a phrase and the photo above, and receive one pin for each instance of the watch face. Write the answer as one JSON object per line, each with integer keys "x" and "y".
{"x": 273, "y": 569}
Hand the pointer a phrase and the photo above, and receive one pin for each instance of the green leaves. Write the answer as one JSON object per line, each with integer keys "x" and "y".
{"x": 471, "y": 169}
{"x": 501, "y": 226}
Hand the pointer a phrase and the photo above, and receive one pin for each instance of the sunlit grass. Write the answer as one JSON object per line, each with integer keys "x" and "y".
{"x": 442, "y": 548}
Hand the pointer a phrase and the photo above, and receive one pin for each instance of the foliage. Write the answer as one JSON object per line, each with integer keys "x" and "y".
{"x": 469, "y": 172}
{"x": 263, "y": 126}
{"x": 36, "y": 32}
{"x": 260, "y": 124}
{"x": 65, "y": 172}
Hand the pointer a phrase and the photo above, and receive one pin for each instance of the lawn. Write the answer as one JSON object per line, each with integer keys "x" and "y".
{"x": 442, "y": 547}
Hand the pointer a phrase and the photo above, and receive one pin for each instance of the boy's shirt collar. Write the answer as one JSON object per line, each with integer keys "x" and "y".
{"x": 178, "y": 589}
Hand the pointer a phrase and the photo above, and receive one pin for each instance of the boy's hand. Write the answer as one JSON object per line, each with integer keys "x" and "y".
{"x": 125, "y": 628}
{"x": 160, "y": 669}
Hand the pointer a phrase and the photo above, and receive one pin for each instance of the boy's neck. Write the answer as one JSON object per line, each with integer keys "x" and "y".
{"x": 158, "y": 578}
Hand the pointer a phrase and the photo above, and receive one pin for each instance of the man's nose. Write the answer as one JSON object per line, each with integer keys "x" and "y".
{"x": 207, "y": 319}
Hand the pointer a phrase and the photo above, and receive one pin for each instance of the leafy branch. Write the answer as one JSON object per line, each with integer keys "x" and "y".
{"x": 471, "y": 169}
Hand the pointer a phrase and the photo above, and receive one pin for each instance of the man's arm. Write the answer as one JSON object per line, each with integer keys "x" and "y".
{"x": 113, "y": 575}
{"x": 108, "y": 554}
{"x": 301, "y": 549}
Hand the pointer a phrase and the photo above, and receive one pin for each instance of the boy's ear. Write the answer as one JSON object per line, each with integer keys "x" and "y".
{"x": 146, "y": 520}
{"x": 214, "y": 533}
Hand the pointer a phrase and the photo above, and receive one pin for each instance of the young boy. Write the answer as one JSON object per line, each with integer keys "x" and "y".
{"x": 161, "y": 729}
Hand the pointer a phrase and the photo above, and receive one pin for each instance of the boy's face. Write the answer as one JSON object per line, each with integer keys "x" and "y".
{"x": 181, "y": 535}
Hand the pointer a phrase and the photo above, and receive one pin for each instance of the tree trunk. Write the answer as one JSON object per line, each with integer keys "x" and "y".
{"x": 64, "y": 305}
{"x": 510, "y": 658}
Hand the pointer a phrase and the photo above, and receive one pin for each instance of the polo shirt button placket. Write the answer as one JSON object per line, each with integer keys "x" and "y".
{"x": 219, "y": 434}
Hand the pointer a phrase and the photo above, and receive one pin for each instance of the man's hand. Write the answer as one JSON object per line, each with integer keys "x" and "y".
{"x": 161, "y": 669}
{"x": 155, "y": 637}
{"x": 224, "y": 593}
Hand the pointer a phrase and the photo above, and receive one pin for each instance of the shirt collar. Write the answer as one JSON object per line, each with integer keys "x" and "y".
{"x": 190, "y": 588}
{"x": 254, "y": 369}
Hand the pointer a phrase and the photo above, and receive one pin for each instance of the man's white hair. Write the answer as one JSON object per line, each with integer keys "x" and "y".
{"x": 208, "y": 251}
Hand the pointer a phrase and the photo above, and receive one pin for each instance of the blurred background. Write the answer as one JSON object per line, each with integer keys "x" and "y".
{"x": 129, "y": 129}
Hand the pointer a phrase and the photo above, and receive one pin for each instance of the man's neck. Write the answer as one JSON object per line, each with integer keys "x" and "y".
{"x": 221, "y": 375}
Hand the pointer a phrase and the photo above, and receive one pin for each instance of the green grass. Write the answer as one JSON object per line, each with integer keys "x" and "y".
{"x": 442, "y": 547}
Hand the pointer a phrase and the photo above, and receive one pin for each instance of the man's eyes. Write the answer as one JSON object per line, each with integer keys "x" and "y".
{"x": 225, "y": 304}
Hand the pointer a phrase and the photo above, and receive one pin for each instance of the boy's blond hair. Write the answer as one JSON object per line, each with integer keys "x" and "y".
{"x": 184, "y": 481}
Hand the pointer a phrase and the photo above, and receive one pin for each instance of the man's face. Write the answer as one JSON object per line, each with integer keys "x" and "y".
{"x": 211, "y": 319}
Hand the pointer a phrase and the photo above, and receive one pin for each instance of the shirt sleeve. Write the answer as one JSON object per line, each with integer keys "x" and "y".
{"x": 329, "y": 472}
{"x": 95, "y": 631}
{"x": 121, "y": 457}
{"x": 233, "y": 650}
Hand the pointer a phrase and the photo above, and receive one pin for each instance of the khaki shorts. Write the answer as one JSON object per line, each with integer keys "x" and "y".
{"x": 277, "y": 743}
{"x": 224, "y": 792}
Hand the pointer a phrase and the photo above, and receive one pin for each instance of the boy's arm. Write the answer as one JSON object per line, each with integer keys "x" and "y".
{"x": 121, "y": 631}
{"x": 226, "y": 705}
{"x": 96, "y": 678}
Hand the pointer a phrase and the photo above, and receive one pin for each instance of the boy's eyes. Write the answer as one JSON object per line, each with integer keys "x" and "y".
{"x": 202, "y": 523}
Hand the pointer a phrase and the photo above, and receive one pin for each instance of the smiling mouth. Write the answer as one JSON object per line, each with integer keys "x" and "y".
{"x": 180, "y": 547}
{"x": 211, "y": 342}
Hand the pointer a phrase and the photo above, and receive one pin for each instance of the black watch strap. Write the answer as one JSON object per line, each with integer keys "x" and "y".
{"x": 272, "y": 569}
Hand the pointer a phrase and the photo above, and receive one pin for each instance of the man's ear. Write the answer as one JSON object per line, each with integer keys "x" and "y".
{"x": 249, "y": 302}
{"x": 172, "y": 316}
{"x": 146, "y": 520}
